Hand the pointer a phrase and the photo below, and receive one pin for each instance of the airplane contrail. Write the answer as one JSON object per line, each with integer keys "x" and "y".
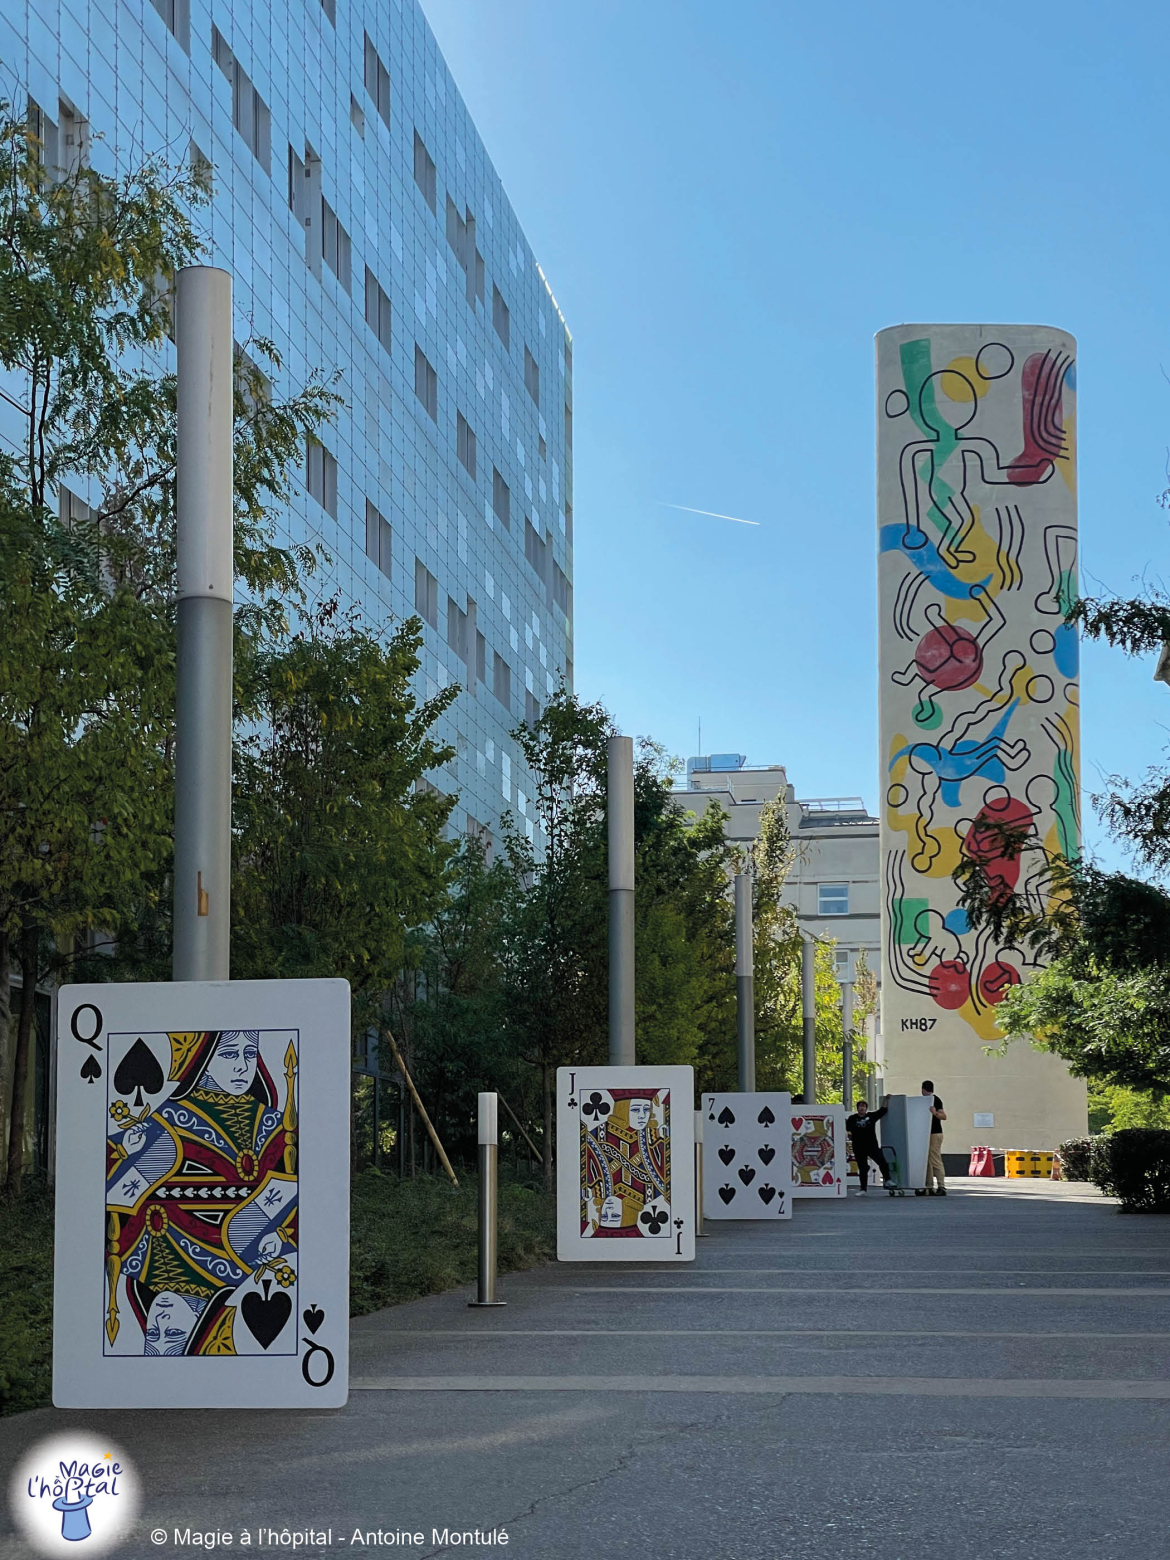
{"x": 714, "y": 514}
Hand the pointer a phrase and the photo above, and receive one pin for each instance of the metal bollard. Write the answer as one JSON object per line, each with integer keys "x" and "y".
{"x": 699, "y": 1229}
{"x": 489, "y": 1137}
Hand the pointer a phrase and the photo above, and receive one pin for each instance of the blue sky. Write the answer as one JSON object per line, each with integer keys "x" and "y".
{"x": 728, "y": 202}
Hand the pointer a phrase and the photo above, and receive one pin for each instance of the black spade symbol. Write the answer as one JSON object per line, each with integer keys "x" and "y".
{"x": 766, "y": 1118}
{"x": 747, "y": 1175}
{"x": 139, "y": 1070}
{"x": 91, "y": 1069}
{"x": 727, "y": 1193}
{"x": 265, "y": 1317}
{"x": 766, "y": 1192}
{"x": 727, "y": 1153}
{"x": 766, "y": 1154}
{"x": 726, "y": 1116}
{"x": 313, "y": 1318}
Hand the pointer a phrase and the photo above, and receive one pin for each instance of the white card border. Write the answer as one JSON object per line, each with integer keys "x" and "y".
{"x": 713, "y": 1206}
{"x": 84, "y": 1377}
{"x": 571, "y": 1245}
{"x": 842, "y": 1162}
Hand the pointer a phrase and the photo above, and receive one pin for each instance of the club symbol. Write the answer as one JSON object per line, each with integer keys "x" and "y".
{"x": 595, "y": 1106}
{"x": 653, "y": 1219}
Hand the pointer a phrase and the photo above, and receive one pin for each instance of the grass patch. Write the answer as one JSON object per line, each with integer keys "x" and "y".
{"x": 408, "y": 1238}
{"x": 412, "y": 1238}
{"x": 26, "y": 1299}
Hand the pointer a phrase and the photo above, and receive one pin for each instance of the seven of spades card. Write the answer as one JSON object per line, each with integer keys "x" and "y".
{"x": 222, "y": 1282}
{"x": 747, "y": 1166}
{"x": 625, "y": 1164}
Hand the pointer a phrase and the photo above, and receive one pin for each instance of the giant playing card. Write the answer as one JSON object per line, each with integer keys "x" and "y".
{"x": 819, "y": 1165}
{"x": 202, "y": 1192}
{"x": 747, "y": 1166}
{"x": 625, "y": 1164}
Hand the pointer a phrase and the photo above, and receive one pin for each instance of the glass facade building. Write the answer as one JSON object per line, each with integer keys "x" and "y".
{"x": 366, "y": 230}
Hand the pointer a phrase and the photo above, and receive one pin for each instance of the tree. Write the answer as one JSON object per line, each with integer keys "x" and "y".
{"x": 338, "y": 845}
{"x": 86, "y": 660}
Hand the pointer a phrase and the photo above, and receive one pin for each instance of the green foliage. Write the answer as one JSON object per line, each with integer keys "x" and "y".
{"x": 1133, "y": 1165}
{"x": 1075, "y": 1158}
{"x": 1112, "y": 1107}
{"x": 336, "y": 848}
{"x": 26, "y": 1299}
{"x": 418, "y": 1237}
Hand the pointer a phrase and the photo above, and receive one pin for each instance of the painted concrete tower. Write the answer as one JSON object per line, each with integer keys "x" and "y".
{"x": 977, "y": 536}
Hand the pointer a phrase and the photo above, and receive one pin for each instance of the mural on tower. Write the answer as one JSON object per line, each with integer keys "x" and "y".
{"x": 977, "y": 528}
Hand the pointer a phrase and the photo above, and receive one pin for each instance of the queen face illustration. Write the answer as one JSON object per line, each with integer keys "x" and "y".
{"x": 639, "y": 1114}
{"x": 232, "y": 1066}
{"x": 170, "y": 1323}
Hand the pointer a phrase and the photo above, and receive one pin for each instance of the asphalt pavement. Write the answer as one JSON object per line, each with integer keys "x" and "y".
{"x": 980, "y": 1377}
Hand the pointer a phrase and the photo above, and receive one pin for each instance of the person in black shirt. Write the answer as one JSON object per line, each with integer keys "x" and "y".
{"x": 934, "y": 1158}
{"x": 862, "y": 1130}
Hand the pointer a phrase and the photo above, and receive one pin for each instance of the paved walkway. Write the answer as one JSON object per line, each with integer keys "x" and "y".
{"x": 981, "y": 1378}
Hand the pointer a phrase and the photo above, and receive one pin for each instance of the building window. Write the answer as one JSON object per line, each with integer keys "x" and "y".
{"x": 335, "y": 246}
{"x": 249, "y": 111}
{"x": 501, "y": 500}
{"x": 330, "y": 9}
{"x": 480, "y": 657}
{"x": 426, "y": 383}
{"x": 535, "y": 548}
{"x": 832, "y": 898}
{"x": 357, "y": 116}
{"x": 377, "y": 309}
{"x": 378, "y": 538}
{"x": 568, "y": 429}
{"x": 461, "y": 237}
{"x": 321, "y": 476}
{"x": 501, "y": 319}
{"x": 569, "y": 523}
{"x": 177, "y": 15}
{"x": 424, "y": 173}
{"x": 502, "y": 680}
{"x": 457, "y": 628}
{"x": 531, "y": 376}
{"x": 465, "y": 443}
{"x": 426, "y": 593}
{"x": 562, "y": 590}
{"x": 531, "y": 708}
{"x": 377, "y": 79}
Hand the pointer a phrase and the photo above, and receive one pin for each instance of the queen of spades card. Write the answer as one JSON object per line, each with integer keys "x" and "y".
{"x": 201, "y": 1197}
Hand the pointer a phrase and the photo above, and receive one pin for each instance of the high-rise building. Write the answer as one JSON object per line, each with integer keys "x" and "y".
{"x": 366, "y": 230}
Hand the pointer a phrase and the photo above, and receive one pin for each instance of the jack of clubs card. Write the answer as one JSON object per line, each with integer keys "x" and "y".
{"x": 625, "y": 1164}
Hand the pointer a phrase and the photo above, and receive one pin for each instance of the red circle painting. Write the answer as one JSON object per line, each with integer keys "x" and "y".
{"x": 997, "y": 980}
{"x": 950, "y": 983}
{"x": 949, "y": 657}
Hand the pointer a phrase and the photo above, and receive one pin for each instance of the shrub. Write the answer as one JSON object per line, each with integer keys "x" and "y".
{"x": 1074, "y": 1158}
{"x": 1134, "y": 1165}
